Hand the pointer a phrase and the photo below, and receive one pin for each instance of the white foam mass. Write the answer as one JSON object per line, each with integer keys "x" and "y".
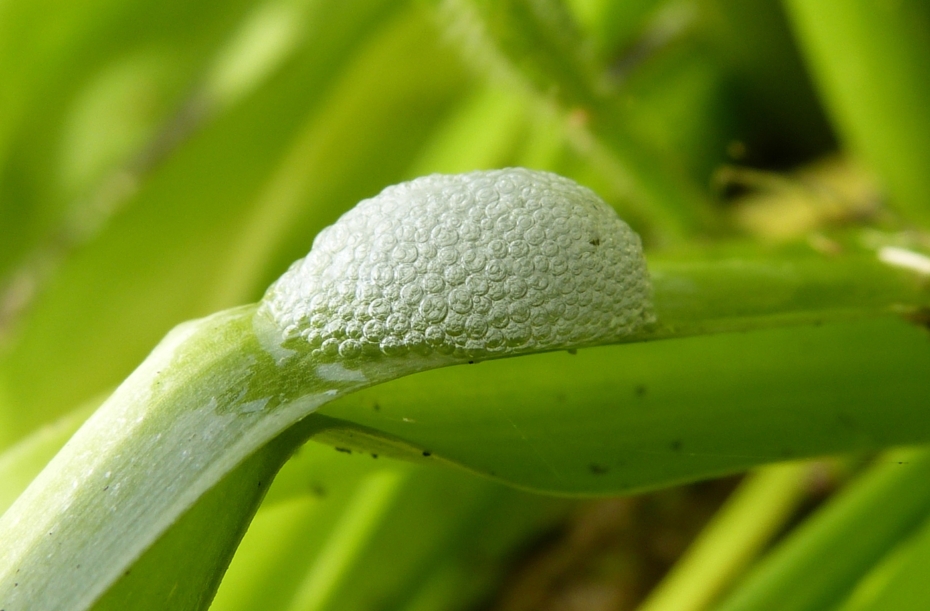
{"x": 472, "y": 265}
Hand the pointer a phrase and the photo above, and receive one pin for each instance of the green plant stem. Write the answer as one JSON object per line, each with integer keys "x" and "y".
{"x": 20, "y": 463}
{"x": 207, "y": 398}
{"x": 218, "y": 389}
{"x": 699, "y": 295}
{"x": 822, "y": 559}
{"x": 869, "y": 60}
{"x": 755, "y": 512}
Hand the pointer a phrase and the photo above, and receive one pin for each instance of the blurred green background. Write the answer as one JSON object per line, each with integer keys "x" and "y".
{"x": 162, "y": 160}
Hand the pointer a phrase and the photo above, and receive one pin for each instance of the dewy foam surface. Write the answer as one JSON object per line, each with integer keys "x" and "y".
{"x": 471, "y": 265}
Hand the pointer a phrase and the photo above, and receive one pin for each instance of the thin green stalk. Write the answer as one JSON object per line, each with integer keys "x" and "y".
{"x": 361, "y": 515}
{"x": 755, "y": 512}
{"x": 822, "y": 559}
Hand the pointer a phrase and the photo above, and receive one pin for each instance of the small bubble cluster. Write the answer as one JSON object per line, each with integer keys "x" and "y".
{"x": 472, "y": 265}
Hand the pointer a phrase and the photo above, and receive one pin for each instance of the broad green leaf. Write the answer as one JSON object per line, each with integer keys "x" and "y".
{"x": 183, "y": 568}
{"x": 637, "y": 416}
{"x": 217, "y": 390}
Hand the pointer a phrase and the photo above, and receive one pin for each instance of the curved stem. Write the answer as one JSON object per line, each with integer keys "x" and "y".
{"x": 216, "y": 390}
{"x": 211, "y": 393}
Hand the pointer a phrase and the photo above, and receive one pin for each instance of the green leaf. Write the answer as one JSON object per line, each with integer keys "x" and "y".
{"x": 820, "y": 562}
{"x": 869, "y": 62}
{"x": 636, "y": 416}
{"x": 898, "y": 582}
{"x": 232, "y": 207}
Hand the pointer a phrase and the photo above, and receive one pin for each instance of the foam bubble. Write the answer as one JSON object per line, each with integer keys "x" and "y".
{"x": 471, "y": 265}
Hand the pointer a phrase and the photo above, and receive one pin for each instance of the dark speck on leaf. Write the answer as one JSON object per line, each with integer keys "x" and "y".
{"x": 427, "y": 453}
{"x": 845, "y": 421}
{"x": 572, "y": 351}
{"x": 640, "y": 390}
{"x": 471, "y": 362}
{"x": 676, "y": 445}
{"x": 374, "y": 456}
{"x": 376, "y": 407}
{"x": 346, "y": 450}
{"x": 597, "y": 469}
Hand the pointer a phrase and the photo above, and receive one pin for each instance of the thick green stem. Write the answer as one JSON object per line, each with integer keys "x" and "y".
{"x": 218, "y": 389}
{"x": 210, "y": 395}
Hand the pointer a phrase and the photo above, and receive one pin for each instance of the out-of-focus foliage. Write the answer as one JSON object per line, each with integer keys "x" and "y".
{"x": 160, "y": 161}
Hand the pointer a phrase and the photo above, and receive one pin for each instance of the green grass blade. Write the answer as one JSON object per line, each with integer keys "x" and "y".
{"x": 753, "y": 514}
{"x": 902, "y": 583}
{"x": 537, "y": 44}
{"x": 86, "y": 85}
{"x": 443, "y": 532}
{"x": 824, "y": 558}
{"x": 869, "y": 60}
{"x": 233, "y": 207}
